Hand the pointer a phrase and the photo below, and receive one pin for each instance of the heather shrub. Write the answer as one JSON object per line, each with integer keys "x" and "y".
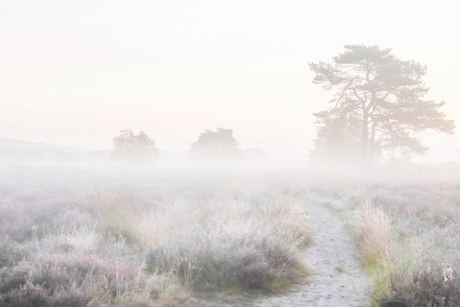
{"x": 218, "y": 244}
{"x": 424, "y": 288}
{"x": 26, "y": 221}
{"x": 65, "y": 245}
{"x": 72, "y": 279}
{"x": 406, "y": 227}
{"x": 34, "y": 295}
{"x": 10, "y": 252}
{"x": 242, "y": 263}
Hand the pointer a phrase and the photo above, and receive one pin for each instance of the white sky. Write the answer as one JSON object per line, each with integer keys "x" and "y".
{"x": 78, "y": 72}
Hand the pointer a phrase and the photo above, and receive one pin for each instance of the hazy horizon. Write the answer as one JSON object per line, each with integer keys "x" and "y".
{"x": 79, "y": 73}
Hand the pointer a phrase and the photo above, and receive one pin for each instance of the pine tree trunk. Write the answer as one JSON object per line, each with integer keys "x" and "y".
{"x": 372, "y": 143}
{"x": 365, "y": 138}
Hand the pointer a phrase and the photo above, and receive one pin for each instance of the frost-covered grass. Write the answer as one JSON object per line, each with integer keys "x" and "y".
{"x": 133, "y": 237}
{"x": 406, "y": 223}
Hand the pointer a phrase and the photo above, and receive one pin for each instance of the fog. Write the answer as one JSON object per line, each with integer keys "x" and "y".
{"x": 163, "y": 154}
{"x": 77, "y": 74}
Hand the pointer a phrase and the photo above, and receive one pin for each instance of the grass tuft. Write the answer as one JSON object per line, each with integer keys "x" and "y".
{"x": 372, "y": 234}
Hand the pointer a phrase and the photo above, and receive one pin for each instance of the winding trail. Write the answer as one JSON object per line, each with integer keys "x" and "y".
{"x": 336, "y": 276}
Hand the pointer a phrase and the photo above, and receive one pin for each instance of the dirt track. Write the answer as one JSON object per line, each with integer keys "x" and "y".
{"x": 336, "y": 277}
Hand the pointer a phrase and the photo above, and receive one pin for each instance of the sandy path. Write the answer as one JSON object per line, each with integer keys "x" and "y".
{"x": 336, "y": 277}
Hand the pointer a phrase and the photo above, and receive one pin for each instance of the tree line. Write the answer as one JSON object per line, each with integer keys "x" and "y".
{"x": 377, "y": 113}
{"x": 219, "y": 146}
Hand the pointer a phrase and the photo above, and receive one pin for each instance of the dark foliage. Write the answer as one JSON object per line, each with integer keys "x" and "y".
{"x": 428, "y": 288}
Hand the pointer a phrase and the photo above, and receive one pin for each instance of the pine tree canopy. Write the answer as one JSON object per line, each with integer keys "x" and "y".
{"x": 378, "y": 110}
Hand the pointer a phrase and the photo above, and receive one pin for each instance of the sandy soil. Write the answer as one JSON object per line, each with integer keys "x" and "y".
{"x": 336, "y": 276}
{"x": 336, "y": 279}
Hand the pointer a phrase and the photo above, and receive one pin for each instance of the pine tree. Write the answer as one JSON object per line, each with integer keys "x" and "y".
{"x": 378, "y": 109}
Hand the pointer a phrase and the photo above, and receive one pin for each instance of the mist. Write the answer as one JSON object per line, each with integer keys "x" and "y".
{"x": 252, "y": 153}
{"x": 78, "y": 74}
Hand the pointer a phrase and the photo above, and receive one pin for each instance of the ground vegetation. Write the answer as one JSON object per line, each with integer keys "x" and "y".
{"x": 103, "y": 237}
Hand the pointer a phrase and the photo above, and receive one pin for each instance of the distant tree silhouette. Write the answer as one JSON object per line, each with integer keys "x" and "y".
{"x": 138, "y": 148}
{"x": 217, "y": 147}
{"x": 378, "y": 109}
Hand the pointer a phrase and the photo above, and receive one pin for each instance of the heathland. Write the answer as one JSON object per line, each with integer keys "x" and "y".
{"x": 132, "y": 236}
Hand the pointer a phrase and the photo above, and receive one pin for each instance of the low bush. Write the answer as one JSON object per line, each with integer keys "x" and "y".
{"x": 247, "y": 264}
{"x": 71, "y": 280}
{"x": 424, "y": 288}
{"x": 34, "y": 295}
{"x": 226, "y": 232}
{"x": 10, "y": 252}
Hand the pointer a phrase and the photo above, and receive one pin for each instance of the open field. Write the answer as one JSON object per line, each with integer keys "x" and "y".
{"x": 92, "y": 236}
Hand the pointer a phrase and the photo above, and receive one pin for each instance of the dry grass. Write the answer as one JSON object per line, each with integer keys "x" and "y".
{"x": 372, "y": 234}
{"x": 135, "y": 238}
{"x": 175, "y": 232}
{"x": 406, "y": 226}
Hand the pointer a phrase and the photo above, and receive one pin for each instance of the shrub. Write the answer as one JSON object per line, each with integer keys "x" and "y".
{"x": 10, "y": 252}
{"x": 249, "y": 265}
{"x": 34, "y": 295}
{"x": 426, "y": 288}
{"x": 60, "y": 279}
{"x": 28, "y": 221}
